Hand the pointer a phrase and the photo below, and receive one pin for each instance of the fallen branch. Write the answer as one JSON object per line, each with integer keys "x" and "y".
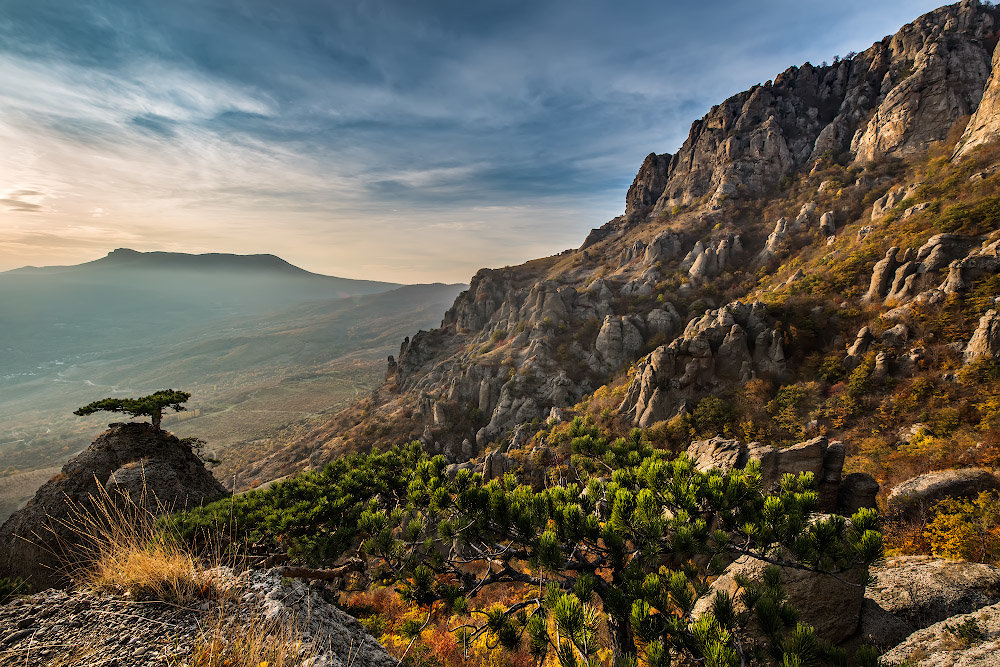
{"x": 353, "y": 565}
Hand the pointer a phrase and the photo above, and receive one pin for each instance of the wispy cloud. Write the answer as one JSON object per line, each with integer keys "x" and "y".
{"x": 376, "y": 138}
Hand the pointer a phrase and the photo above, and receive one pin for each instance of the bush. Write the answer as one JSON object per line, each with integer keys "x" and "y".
{"x": 712, "y": 416}
{"x": 966, "y": 529}
{"x": 313, "y": 515}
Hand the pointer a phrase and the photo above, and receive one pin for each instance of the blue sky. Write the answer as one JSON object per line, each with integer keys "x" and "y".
{"x": 404, "y": 140}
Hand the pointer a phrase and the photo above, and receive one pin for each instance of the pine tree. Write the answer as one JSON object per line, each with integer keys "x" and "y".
{"x": 151, "y": 406}
{"x": 637, "y": 536}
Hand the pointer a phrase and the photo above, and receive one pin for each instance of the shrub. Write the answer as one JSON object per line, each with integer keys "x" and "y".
{"x": 712, "y": 416}
{"x": 790, "y": 407}
{"x": 313, "y": 515}
{"x": 966, "y": 529}
{"x": 616, "y": 563}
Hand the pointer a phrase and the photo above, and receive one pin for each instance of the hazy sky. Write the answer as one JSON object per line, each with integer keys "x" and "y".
{"x": 407, "y": 140}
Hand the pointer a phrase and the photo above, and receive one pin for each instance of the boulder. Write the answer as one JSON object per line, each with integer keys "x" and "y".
{"x": 950, "y": 644}
{"x": 133, "y": 461}
{"x": 496, "y": 465}
{"x": 921, "y": 590}
{"x": 822, "y": 458}
{"x": 831, "y": 604}
{"x": 857, "y": 490}
{"x": 828, "y": 224}
{"x": 918, "y": 494}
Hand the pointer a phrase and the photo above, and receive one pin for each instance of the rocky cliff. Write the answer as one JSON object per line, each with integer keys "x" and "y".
{"x": 673, "y": 300}
{"x": 130, "y": 464}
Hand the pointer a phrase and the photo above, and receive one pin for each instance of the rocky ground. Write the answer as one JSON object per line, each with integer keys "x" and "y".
{"x": 57, "y": 627}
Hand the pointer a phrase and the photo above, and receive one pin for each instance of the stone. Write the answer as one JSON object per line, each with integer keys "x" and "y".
{"x": 918, "y": 494}
{"x": 84, "y": 628}
{"x": 496, "y": 465}
{"x": 828, "y": 224}
{"x": 857, "y": 490}
{"x": 822, "y": 458}
{"x": 832, "y": 605}
{"x": 942, "y": 645}
{"x": 922, "y": 590}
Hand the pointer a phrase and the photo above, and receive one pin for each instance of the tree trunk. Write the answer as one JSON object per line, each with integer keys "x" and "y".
{"x": 621, "y": 635}
{"x": 157, "y": 417}
{"x": 622, "y": 638}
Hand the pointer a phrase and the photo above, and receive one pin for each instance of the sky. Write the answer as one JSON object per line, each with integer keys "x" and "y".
{"x": 399, "y": 140}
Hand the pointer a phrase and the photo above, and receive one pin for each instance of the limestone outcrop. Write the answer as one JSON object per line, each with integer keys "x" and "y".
{"x": 133, "y": 461}
{"x": 648, "y": 184}
{"x": 944, "y": 644}
{"x": 985, "y": 123}
{"x": 936, "y": 78}
{"x": 921, "y": 590}
{"x": 819, "y": 456}
{"x": 84, "y": 628}
{"x": 985, "y": 341}
{"x": 920, "y": 493}
{"x": 732, "y": 343}
{"x": 913, "y": 85}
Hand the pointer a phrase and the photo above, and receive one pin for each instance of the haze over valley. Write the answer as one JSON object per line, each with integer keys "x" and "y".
{"x": 264, "y": 346}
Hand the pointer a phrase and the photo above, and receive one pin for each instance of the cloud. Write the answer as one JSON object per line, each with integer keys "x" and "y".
{"x": 14, "y": 204}
{"x": 433, "y": 137}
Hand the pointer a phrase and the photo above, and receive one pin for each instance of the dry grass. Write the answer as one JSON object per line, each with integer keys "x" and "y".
{"x": 120, "y": 547}
{"x": 228, "y": 641}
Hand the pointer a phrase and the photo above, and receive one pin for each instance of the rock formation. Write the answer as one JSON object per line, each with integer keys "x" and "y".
{"x": 920, "y": 493}
{"x": 83, "y": 628}
{"x": 822, "y": 458}
{"x": 132, "y": 460}
{"x": 985, "y": 341}
{"x": 943, "y": 643}
{"x": 832, "y": 605}
{"x": 732, "y": 343}
{"x": 985, "y": 123}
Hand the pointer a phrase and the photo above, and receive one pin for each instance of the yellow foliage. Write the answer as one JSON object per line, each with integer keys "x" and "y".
{"x": 966, "y": 529}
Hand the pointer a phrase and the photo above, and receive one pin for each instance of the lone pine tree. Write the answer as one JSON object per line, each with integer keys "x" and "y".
{"x": 145, "y": 406}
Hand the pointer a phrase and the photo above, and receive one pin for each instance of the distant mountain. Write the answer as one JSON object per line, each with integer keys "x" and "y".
{"x": 214, "y": 262}
{"x": 58, "y": 313}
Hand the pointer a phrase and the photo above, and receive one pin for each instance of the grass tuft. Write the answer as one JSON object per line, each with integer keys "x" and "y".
{"x": 228, "y": 641}
{"x": 120, "y": 546}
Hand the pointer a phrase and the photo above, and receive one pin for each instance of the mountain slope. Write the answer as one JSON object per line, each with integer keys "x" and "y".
{"x": 780, "y": 203}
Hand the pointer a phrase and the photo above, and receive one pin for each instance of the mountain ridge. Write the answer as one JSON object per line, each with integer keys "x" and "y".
{"x": 779, "y": 169}
{"x": 126, "y": 258}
